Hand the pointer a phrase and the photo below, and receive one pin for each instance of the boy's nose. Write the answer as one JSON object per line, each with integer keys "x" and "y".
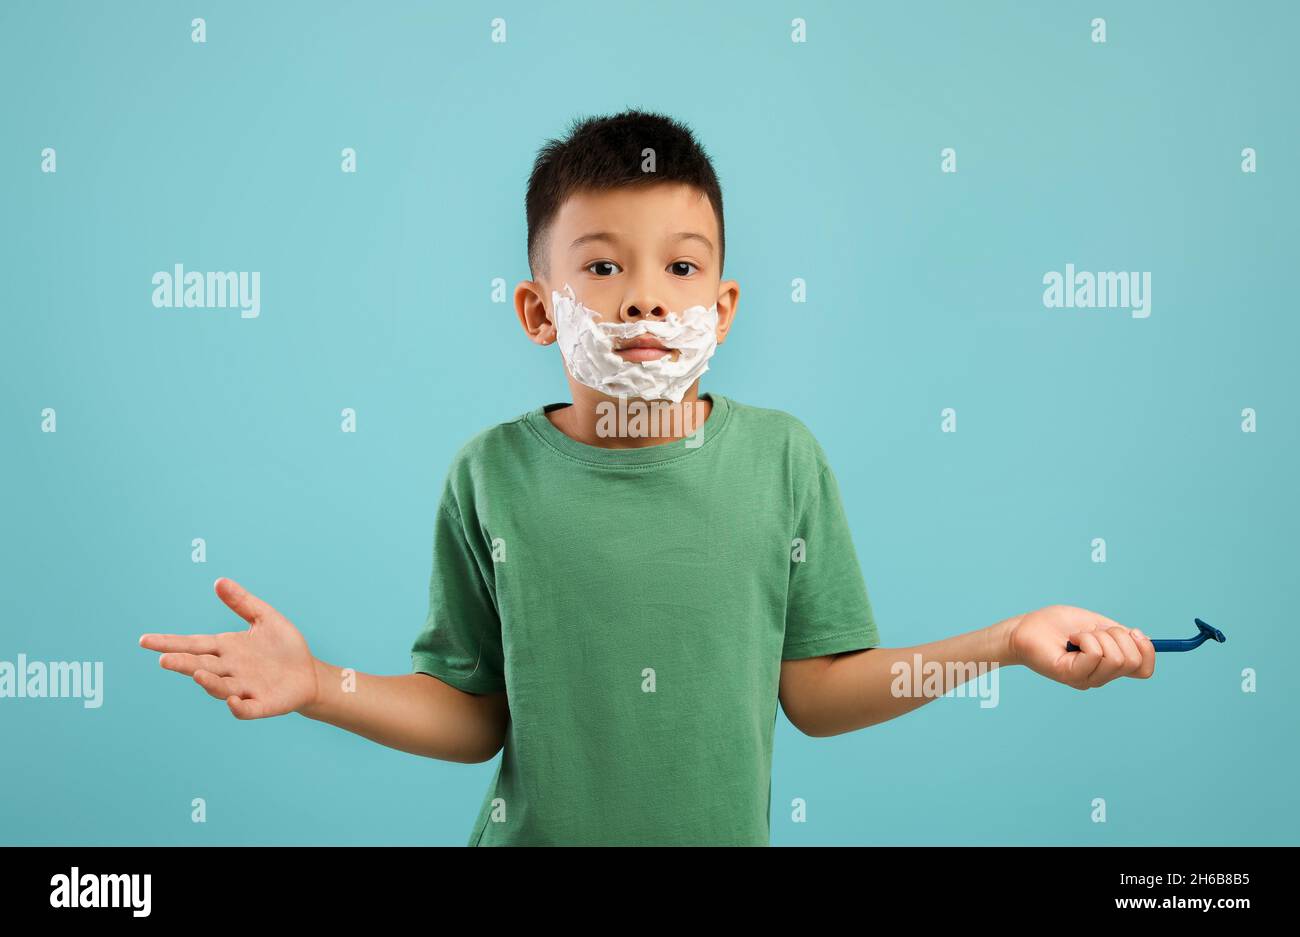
{"x": 637, "y": 312}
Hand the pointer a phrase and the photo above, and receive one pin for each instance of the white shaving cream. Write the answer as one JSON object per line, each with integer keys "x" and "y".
{"x": 588, "y": 348}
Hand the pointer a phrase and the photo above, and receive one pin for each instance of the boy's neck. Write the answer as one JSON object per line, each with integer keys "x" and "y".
{"x": 630, "y": 423}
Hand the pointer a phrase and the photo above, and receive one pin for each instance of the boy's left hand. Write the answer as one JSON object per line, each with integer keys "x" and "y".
{"x": 1107, "y": 649}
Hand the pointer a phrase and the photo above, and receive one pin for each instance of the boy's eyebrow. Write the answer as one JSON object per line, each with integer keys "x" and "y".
{"x": 691, "y": 235}
{"x": 613, "y": 239}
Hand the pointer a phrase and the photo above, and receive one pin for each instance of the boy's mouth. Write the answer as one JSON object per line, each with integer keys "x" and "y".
{"x": 643, "y": 348}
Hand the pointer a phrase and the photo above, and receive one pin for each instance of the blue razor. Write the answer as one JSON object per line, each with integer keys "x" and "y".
{"x": 1206, "y": 633}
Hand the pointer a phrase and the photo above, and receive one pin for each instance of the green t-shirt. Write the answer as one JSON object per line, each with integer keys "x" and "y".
{"x": 635, "y": 606}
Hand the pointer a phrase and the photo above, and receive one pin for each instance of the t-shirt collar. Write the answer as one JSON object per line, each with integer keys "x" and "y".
{"x": 642, "y": 455}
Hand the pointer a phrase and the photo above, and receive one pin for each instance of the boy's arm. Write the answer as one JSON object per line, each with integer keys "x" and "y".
{"x": 833, "y": 694}
{"x": 268, "y": 670}
{"x": 414, "y": 712}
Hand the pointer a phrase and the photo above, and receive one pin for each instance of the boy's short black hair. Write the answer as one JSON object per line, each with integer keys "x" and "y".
{"x": 606, "y": 152}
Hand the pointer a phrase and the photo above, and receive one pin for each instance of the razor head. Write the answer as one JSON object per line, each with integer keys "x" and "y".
{"x": 1211, "y": 633}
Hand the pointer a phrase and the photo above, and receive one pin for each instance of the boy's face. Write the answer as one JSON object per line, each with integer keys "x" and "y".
{"x": 631, "y": 254}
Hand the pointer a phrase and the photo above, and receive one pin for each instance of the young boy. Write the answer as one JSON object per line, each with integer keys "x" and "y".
{"x": 621, "y": 594}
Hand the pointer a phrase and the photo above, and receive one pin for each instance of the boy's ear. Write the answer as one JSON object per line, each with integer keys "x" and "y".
{"x": 533, "y": 315}
{"x": 728, "y": 298}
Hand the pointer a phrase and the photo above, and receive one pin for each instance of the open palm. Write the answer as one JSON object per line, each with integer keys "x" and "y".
{"x": 267, "y": 670}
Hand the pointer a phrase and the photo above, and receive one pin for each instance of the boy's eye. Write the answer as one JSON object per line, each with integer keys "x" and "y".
{"x": 603, "y": 263}
{"x": 682, "y": 263}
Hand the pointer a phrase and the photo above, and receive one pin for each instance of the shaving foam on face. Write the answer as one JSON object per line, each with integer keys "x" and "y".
{"x": 588, "y": 348}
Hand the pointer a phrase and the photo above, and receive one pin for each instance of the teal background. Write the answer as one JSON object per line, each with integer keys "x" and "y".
{"x": 924, "y": 292}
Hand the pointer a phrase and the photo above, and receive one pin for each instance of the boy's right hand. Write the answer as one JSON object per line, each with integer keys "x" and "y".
{"x": 267, "y": 670}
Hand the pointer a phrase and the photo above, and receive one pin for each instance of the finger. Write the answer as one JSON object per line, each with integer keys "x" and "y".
{"x": 1128, "y": 647}
{"x": 1134, "y": 658}
{"x": 242, "y": 602}
{"x": 243, "y": 708}
{"x": 218, "y": 687}
{"x": 1086, "y": 659}
{"x": 188, "y": 663}
{"x": 1112, "y": 660}
{"x": 1148, "y": 655}
{"x": 187, "y": 643}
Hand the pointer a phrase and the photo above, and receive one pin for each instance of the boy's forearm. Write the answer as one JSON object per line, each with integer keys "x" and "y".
{"x": 412, "y": 712}
{"x": 856, "y": 690}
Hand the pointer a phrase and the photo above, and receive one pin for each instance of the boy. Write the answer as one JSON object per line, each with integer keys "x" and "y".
{"x": 619, "y": 601}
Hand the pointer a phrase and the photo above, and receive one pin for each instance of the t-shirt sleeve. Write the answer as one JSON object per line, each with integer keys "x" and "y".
{"x": 460, "y": 643}
{"x": 827, "y": 608}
